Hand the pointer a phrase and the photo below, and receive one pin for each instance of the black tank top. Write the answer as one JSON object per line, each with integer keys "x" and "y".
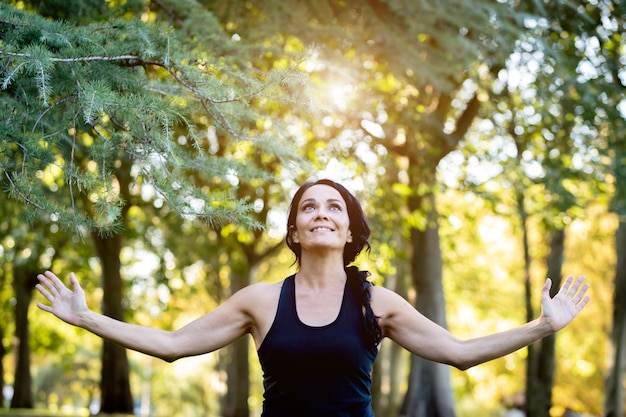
{"x": 317, "y": 371}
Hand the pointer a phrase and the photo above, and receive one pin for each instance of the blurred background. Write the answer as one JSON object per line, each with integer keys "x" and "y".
{"x": 152, "y": 147}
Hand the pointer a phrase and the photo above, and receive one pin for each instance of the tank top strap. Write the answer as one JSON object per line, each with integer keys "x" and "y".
{"x": 286, "y": 312}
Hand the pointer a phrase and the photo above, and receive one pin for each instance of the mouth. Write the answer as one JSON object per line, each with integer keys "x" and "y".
{"x": 322, "y": 229}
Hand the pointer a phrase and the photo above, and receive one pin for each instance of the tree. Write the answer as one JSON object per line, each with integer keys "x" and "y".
{"x": 23, "y": 283}
{"x": 612, "y": 57}
{"x": 615, "y": 393}
{"x": 111, "y": 113}
{"x": 28, "y": 251}
{"x": 418, "y": 108}
{"x": 413, "y": 89}
{"x": 94, "y": 107}
{"x": 8, "y": 213}
{"x": 588, "y": 82}
{"x": 555, "y": 206}
{"x": 553, "y": 121}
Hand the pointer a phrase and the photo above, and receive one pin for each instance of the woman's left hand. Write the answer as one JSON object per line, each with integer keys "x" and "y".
{"x": 566, "y": 304}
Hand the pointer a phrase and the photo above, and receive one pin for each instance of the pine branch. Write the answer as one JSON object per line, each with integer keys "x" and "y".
{"x": 93, "y": 95}
{"x": 15, "y": 189}
{"x": 133, "y": 60}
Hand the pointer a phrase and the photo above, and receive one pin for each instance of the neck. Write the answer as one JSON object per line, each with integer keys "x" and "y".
{"x": 321, "y": 271}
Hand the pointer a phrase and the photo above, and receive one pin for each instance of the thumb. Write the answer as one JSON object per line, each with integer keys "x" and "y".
{"x": 75, "y": 284}
{"x": 545, "y": 290}
{"x": 547, "y": 285}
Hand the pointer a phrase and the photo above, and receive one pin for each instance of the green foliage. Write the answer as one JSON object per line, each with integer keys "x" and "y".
{"x": 199, "y": 109}
{"x": 83, "y": 98}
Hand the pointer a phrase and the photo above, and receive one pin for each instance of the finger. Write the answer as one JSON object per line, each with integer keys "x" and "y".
{"x": 581, "y": 294}
{"x": 43, "y": 290}
{"x": 55, "y": 280}
{"x": 44, "y": 307}
{"x": 60, "y": 290}
{"x": 574, "y": 288}
{"x": 75, "y": 284}
{"x": 50, "y": 288}
{"x": 583, "y": 303}
{"x": 566, "y": 287}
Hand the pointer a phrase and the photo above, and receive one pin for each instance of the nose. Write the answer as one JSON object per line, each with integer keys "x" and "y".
{"x": 321, "y": 213}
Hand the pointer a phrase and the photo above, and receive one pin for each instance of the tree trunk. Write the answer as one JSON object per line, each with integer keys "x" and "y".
{"x": 3, "y": 353}
{"x": 388, "y": 374}
{"x": 614, "y": 386}
{"x": 429, "y": 392}
{"x": 540, "y": 381}
{"x": 24, "y": 282}
{"x": 531, "y": 360}
{"x": 397, "y": 366}
{"x": 235, "y": 401}
{"x": 237, "y": 366}
{"x": 114, "y": 382}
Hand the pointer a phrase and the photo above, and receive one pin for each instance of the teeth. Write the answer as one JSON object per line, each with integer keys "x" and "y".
{"x": 321, "y": 228}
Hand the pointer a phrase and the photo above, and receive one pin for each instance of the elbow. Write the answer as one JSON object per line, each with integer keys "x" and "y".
{"x": 169, "y": 359}
{"x": 454, "y": 355}
{"x": 176, "y": 349}
{"x": 462, "y": 362}
{"x": 464, "y": 356}
{"x": 169, "y": 350}
{"x": 463, "y": 366}
{"x": 465, "y": 362}
{"x": 171, "y": 355}
{"x": 456, "y": 362}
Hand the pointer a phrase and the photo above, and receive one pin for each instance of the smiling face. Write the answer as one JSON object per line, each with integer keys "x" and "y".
{"x": 322, "y": 221}
{"x": 357, "y": 232}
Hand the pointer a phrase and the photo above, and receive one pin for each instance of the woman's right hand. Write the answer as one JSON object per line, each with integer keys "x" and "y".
{"x": 66, "y": 304}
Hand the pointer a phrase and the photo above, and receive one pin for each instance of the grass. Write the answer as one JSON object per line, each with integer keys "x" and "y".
{"x": 35, "y": 413}
{"x": 5, "y": 412}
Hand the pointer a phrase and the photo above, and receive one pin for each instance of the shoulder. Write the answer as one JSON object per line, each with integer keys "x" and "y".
{"x": 388, "y": 304}
{"x": 385, "y": 298}
{"x": 258, "y": 292}
{"x": 257, "y": 300}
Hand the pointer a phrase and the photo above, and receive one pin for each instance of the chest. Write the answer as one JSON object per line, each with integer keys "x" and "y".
{"x": 321, "y": 331}
{"x": 318, "y": 309}
{"x": 329, "y": 344}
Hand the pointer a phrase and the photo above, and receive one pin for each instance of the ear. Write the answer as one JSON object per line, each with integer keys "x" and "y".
{"x": 294, "y": 234}
{"x": 349, "y": 239}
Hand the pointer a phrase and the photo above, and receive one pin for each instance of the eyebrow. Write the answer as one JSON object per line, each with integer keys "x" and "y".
{"x": 334, "y": 200}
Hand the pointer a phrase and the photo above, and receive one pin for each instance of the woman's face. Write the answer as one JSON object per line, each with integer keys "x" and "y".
{"x": 322, "y": 220}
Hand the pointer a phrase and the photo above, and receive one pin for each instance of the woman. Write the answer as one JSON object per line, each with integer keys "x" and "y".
{"x": 317, "y": 332}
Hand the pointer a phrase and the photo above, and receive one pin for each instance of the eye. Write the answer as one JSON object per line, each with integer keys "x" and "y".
{"x": 308, "y": 207}
{"x": 335, "y": 207}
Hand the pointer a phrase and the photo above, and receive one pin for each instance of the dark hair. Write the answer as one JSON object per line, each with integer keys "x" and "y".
{"x": 359, "y": 281}
{"x": 360, "y": 233}
{"x": 358, "y": 224}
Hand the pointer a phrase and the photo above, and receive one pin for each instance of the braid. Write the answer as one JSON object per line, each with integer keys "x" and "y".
{"x": 362, "y": 285}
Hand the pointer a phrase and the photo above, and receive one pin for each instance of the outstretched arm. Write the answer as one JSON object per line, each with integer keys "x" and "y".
{"x": 402, "y": 323}
{"x": 210, "y": 332}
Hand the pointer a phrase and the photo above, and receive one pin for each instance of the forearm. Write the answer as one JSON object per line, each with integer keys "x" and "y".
{"x": 205, "y": 334}
{"x": 473, "y": 352}
{"x": 151, "y": 341}
{"x": 402, "y": 323}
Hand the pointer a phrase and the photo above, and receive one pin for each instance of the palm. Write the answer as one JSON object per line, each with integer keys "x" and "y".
{"x": 64, "y": 303}
{"x": 565, "y": 305}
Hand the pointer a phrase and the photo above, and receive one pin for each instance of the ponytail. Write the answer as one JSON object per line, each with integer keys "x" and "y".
{"x": 360, "y": 282}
